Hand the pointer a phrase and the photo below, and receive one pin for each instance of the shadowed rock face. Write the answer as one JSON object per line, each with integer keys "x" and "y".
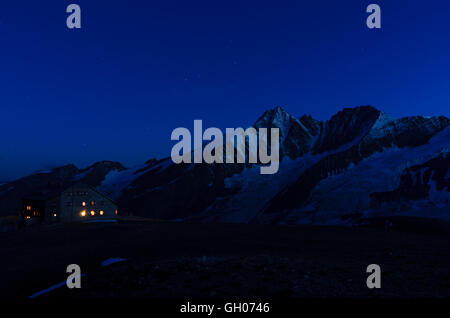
{"x": 296, "y": 135}
{"x": 313, "y": 125}
{"x": 312, "y": 152}
{"x": 178, "y": 191}
{"x": 345, "y": 127}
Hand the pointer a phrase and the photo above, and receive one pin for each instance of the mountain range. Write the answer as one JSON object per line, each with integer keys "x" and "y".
{"x": 360, "y": 163}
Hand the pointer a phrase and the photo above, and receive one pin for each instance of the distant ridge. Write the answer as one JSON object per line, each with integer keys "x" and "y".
{"x": 360, "y": 163}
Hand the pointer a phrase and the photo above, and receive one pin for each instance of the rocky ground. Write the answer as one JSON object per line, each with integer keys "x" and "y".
{"x": 253, "y": 277}
{"x": 176, "y": 260}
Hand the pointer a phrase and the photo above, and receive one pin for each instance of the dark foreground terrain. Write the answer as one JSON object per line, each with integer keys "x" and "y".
{"x": 223, "y": 260}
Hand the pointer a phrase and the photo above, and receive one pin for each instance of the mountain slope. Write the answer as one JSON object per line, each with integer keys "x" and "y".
{"x": 44, "y": 184}
{"x": 382, "y": 136}
{"x": 360, "y": 163}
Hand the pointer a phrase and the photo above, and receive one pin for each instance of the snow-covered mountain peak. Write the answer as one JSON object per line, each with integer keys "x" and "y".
{"x": 276, "y": 117}
{"x": 359, "y": 162}
{"x": 297, "y": 136}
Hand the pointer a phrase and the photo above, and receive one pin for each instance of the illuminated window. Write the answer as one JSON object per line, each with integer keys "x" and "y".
{"x": 101, "y": 213}
{"x": 83, "y": 213}
{"x": 54, "y": 214}
{"x": 83, "y": 203}
{"x": 116, "y": 212}
{"x": 92, "y": 212}
{"x": 92, "y": 203}
{"x": 28, "y": 207}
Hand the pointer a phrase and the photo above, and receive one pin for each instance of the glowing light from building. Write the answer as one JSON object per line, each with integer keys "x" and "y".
{"x": 83, "y": 204}
{"x": 83, "y": 213}
{"x": 28, "y": 207}
{"x": 92, "y": 213}
{"x": 116, "y": 212}
{"x": 101, "y": 212}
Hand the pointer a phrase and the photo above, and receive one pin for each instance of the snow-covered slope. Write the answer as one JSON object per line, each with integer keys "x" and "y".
{"x": 351, "y": 193}
{"x": 331, "y": 172}
{"x": 359, "y": 163}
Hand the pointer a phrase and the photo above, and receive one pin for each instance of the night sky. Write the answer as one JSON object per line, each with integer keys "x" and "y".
{"x": 115, "y": 89}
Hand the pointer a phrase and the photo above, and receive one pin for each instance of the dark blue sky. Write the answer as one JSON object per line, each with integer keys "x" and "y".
{"x": 138, "y": 69}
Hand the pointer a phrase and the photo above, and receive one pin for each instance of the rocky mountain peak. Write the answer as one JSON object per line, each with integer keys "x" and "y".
{"x": 107, "y": 165}
{"x": 359, "y": 160}
{"x": 295, "y": 137}
{"x": 313, "y": 125}
{"x": 276, "y": 117}
{"x": 347, "y": 126}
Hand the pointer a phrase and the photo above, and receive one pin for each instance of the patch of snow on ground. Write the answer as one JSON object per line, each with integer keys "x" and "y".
{"x": 51, "y": 288}
{"x": 112, "y": 260}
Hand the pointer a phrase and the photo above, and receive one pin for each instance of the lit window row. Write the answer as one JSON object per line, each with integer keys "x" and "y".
{"x": 92, "y": 213}
{"x": 84, "y": 203}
